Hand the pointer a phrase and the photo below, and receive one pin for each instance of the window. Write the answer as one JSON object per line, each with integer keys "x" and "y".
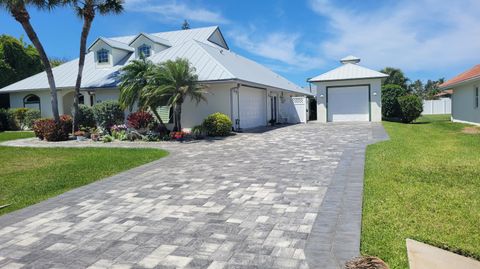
{"x": 144, "y": 50}
{"x": 476, "y": 97}
{"x": 31, "y": 101}
{"x": 102, "y": 56}
{"x": 81, "y": 99}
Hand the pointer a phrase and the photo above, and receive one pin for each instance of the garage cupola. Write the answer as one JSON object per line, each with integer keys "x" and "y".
{"x": 349, "y": 92}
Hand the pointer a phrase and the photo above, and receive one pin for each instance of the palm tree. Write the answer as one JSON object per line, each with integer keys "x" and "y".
{"x": 133, "y": 83}
{"x": 86, "y": 10}
{"x": 18, "y": 10}
{"x": 175, "y": 81}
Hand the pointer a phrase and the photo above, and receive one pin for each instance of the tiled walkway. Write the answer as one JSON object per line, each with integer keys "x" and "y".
{"x": 286, "y": 198}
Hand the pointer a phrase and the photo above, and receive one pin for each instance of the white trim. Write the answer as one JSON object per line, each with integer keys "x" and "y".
{"x": 465, "y": 122}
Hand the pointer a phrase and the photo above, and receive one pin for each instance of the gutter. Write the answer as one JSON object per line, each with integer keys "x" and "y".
{"x": 459, "y": 83}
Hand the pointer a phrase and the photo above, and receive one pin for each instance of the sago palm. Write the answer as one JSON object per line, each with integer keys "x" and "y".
{"x": 173, "y": 82}
{"x": 134, "y": 80}
{"x": 18, "y": 10}
{"x": 86, "y": 10}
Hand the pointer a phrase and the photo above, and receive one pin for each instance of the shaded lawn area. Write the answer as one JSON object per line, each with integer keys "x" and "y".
{"x": 30, "y": 175}
{"x": 423, "y": 184}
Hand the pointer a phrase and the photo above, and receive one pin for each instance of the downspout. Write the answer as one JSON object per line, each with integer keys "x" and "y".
{"x": 236, "y": 121}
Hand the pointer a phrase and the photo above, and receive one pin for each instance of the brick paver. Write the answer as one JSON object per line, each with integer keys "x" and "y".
{"x": 259, "y": 200}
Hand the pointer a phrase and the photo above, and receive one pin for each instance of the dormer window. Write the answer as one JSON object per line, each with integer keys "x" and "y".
{"x": 144, "y": 50}
{"x": 102, "y": 56}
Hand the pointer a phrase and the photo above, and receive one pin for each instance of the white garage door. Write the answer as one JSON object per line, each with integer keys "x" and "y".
{"x": 348, "y": 104}
{"x": 253, "y": 107}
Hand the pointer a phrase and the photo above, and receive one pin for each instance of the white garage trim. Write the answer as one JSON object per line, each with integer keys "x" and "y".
{"x": 348, "y": 86}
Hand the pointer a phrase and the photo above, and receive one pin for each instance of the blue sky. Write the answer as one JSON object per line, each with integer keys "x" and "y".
{"x": 428, "y": 39}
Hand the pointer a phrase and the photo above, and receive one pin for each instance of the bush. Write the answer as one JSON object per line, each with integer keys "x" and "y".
{"x": 3, "y": 120}
{"x": 12, "y": 122}
{"x": 390, "y": 106}
{"x": 86, "y": 117}
{"x": 108, "y": 113}
{"x": 411, "y": 107}
{"x": 31, "y": 116}
{"x": 140, "y": 119}
{"x": 19, "y": 114}
{"x": 47, "y": 128}
{"x": 217, "y": 124}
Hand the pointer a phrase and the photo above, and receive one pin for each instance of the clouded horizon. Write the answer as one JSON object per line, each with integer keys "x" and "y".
{"x": 299, "y": 39}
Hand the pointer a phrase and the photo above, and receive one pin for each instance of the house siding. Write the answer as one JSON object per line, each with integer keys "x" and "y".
{"x": 463, "y": 104}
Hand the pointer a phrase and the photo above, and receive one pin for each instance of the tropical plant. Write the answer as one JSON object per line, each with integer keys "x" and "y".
{"x": 30, "y": 117}
{"x": 49, "y": 130}
{"x": 86, "y": 10}
{"x": 133, "y": 83}
{"x": 411, "y": 107}
{"x": 18, "y": 10}
{"x": 390, "y": 94}
{"x": 217, "y": 124}
{"x": 140, "y": 119}
{"x": 395, "y": 76}
{"x": 4, "y": 125}
{"x": 174, "y": 81}
{"x": 86, "y": 116}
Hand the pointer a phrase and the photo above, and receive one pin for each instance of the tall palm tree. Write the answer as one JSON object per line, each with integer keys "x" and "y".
{"x": 87, "y": 10}
{"x": 134, "y": 79}
{"x": 18, "y": 10}
{"x": 174, "y": 81}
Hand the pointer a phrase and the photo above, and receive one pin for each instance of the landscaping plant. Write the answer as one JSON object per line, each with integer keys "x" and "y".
{"x": 411, "y": 107}
{"x": 217, "y": 124}
{"x": 140, "y": 120}
{"x": 30, "y": 117}
{"x": 4, "y": 120}
{"x": 86, "y": 116}
{"x": 49, "y": 130}
{"x": 108, "y": 113}
{"x": 390, "y": 106}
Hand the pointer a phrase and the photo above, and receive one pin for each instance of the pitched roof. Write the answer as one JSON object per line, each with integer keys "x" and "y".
{"x": 211, "y": 61}
{"x": 153, "y": 38}
{"x": 443, "y": 93}
{"x": 348, "y": 71}
{"x": 468, "y": 75}
{"x": 113, "y": 43}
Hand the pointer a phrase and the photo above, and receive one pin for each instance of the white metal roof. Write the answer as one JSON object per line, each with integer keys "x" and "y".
{"x": 153, "y": 38}
{"x": 113, "y": 43}
{"x": 212, "y": 63}
{"x": 348, "y": 71}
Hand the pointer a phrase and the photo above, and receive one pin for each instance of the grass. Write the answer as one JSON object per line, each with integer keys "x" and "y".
{"x": 423, "y": 184}
{"x": 30, "y": 175}
{"x": 11, "y": 135}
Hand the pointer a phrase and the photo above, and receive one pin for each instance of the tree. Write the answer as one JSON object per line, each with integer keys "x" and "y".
{"x": 18, "y": 60}
{"x": 57, "y": 61}
{"x": 417, "y": 88}
{"x": 87, "y": 10}
{"x": 133, "y": 82}
{"x": 185, "y": 25}
{"x": 175, "y": 80}
{"x": 395, "y": 76}
{"x": 390, "y": 106}
{"x": 18, "y": 10}
{"x": 432, "y": 87}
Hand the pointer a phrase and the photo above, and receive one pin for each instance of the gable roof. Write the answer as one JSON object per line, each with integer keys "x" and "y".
{"x": 113, "y": 43}
{"x": 153, "y": 38}
{"x": 469, "y": 75}
{"x": 348, "y": 71}
{"x": 211, "y": 61}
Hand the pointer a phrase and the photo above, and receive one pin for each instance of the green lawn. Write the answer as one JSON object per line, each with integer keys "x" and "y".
{"x": 4, "y": 136}
{"x": 30, "y": 175}
{"x": 423, "y": 184}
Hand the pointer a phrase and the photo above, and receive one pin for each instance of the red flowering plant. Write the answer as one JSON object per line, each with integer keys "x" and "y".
{"x": 139, "y": 119}
{"x": 178, "y": 135}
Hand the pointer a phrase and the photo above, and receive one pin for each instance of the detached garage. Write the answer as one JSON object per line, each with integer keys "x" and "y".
{"x": 349, "y": 93}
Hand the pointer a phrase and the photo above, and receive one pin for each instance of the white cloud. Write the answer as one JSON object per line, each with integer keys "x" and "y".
{"x": 172, "y": 11}
{"x": 415, "y": 35}
{"x": 278, "y": 47}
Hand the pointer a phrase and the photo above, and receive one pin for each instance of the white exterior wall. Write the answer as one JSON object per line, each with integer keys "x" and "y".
{"x": 114, "y": 55}
{"x": 375, "y": 96}
{"x": 106, "y": 94}
{"x": 154, "y": 47}
{"x": 16, "y": 101}
{"x": 463, "y": 104}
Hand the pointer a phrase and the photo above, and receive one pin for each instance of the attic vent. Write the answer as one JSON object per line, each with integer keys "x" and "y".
{"x": 350, "y": 60}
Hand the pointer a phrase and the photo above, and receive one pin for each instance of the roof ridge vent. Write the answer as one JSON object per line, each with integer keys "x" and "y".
{"x": 350, "y": 60}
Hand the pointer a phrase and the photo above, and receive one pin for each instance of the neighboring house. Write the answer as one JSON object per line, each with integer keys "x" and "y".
{"x": 465, "y": 96}
{"x": 349, "y": 93}
{"x": 248, "y": 92}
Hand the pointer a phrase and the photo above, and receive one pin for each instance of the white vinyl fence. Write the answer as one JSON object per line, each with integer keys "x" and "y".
{"x": 301, "y": 104}
{"x": 440, "y": 106}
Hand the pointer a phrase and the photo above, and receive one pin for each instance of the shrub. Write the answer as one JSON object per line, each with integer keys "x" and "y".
{"x": 140, "y": 119}
{"x": 19, "y": 115}
{"x": 12, "y": 122}
{"x": 47, "y": 128}
{"x": 108, "y": 113}
{"x": 86, "y": 117}
{"x": 217, "y": 124}
{"x": 390, "y": 95}
{"x": 198, "y": 132}
{"x": 3, "y": 120}
{"x": 411, "y": 107}
{"x": 31, "y": 116}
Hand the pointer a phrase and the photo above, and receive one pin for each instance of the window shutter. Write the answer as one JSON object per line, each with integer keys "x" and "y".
{"x": 164, "y": 112}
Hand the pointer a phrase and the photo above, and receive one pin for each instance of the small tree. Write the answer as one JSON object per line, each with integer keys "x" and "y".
{"x": 390, "y": 107}
{"x": 411, "y": 107}
{"x": 395, "y": 76}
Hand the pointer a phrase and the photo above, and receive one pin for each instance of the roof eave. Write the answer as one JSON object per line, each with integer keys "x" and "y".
{"x": 450, "y": 86}
{"x": 343, "y": 79}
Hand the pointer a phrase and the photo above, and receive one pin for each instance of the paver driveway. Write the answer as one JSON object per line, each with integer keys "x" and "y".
{"x": 286, "y": 198}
